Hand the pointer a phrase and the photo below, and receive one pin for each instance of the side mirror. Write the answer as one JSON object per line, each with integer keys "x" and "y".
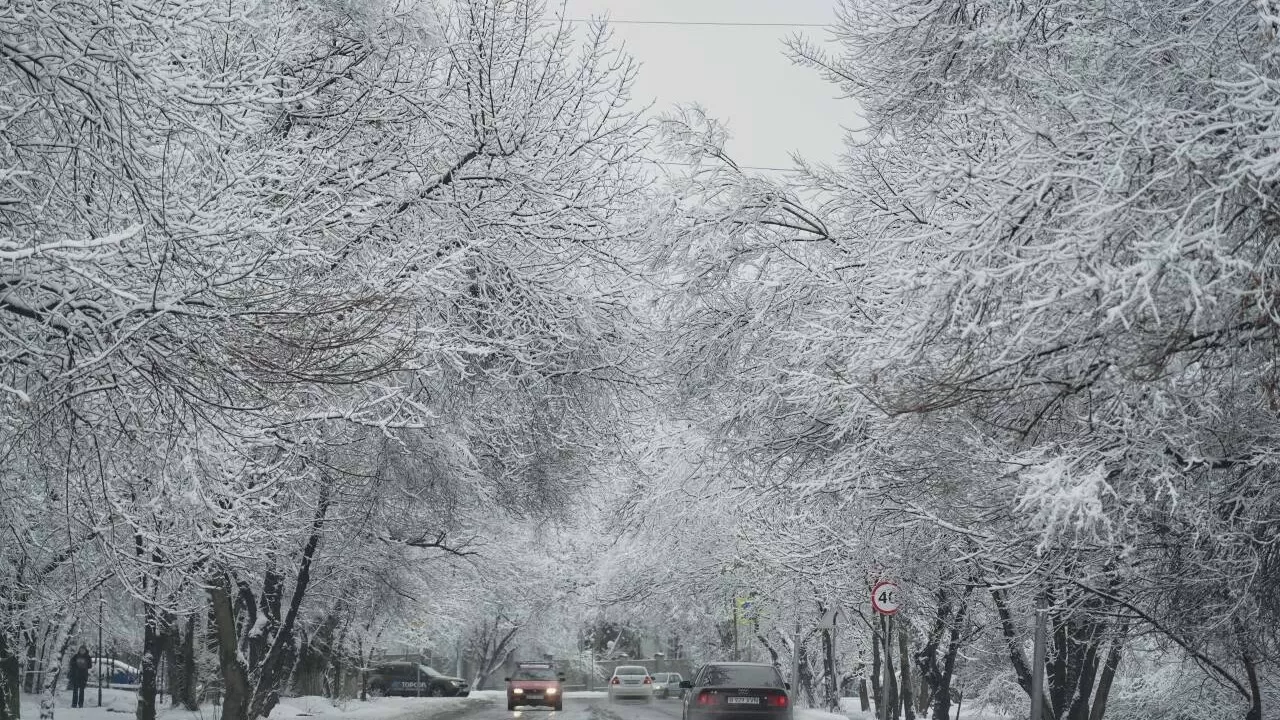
{"x": 786, "y": 685}
{"x": 686, "y": 684}
{"x": 506, "y": 679}
{"x": 560, "y": 678}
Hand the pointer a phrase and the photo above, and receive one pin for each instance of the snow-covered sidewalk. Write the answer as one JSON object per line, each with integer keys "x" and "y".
{"x": 121, "y": 704}
{"x": 850, "y": 709}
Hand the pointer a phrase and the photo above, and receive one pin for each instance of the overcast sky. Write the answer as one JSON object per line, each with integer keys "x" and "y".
{"x": 738, "y": 73}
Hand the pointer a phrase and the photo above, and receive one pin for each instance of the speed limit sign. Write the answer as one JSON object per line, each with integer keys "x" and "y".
{"x": 884, "y": 597}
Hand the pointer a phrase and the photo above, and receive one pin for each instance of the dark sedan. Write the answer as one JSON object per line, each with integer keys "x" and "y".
{"x": 736, "y": 691}
{"x": 413, "y": 679}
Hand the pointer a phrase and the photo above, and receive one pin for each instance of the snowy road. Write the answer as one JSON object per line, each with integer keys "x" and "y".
{"x": 577, "y": 706}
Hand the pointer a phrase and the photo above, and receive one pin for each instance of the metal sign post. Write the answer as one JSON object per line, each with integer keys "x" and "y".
{"x": 886, "y": 630}
{"x": 884, "y": 601}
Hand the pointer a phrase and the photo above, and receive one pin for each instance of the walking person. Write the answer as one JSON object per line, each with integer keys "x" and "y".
{"x": 80, "y": 664}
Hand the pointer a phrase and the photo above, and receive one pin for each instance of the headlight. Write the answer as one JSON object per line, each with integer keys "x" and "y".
{"x": 518, "y": 691}
{"x": 552, "y": 691}
{"x": 456, "y": 683}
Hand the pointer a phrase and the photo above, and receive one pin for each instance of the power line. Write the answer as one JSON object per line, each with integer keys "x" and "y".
{"x": 711, "y": 23}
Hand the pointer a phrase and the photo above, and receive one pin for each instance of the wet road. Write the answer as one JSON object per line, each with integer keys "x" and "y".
{"x": 579, "y": 706}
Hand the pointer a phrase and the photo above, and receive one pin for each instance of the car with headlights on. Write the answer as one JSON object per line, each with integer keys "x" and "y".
{"x": 535, "y": 683}
{"x": 736, "y": 691}
{"x": 631, "y": 681}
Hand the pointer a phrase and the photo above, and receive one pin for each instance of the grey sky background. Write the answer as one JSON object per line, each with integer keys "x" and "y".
{"x": 739, "y": 74}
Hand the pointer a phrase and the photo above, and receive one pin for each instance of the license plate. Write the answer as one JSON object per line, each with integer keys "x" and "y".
{"x": 535, "y": 696}
{"x": 742, "y": 700}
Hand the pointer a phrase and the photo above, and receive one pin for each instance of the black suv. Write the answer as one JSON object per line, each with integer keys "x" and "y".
{"x": 413, "y": 679}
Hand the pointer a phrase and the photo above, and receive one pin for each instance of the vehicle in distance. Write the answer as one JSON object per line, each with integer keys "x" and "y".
{"x": 666, "y": 685}
{"x": 535, "y": 683}
{"x": 413, "y": 679}
{"x": 631, "y": 681}
{"x": 114, "y": 672}
{"x": 742, "y": 691}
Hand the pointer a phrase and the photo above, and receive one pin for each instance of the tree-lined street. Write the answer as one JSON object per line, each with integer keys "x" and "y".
{"x": 341, "y": 334}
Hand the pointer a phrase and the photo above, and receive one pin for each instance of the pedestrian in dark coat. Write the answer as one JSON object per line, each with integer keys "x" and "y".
{"x": 80, "y": 664}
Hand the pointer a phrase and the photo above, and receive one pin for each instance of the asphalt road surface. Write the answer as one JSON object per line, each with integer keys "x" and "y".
{"x": 581, "y": 706}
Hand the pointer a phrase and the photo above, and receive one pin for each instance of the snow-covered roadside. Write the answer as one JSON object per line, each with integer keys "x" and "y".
{"x": 850, "y": 709}
{"x": 121, "y": 704}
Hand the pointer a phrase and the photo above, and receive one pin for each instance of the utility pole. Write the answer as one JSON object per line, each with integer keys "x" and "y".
{"x": 1037, "y": 663}
{"x": 735, "y": 628}
{"x": 98, "y": 660}
{"x": 795, "y": 663}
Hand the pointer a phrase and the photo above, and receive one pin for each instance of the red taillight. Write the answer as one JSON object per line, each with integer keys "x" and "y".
{"x": 706, "y": 697}
{"x": 778, "y": 701}
{"x": 614, "y": 680}
{"x": 648, "y": 680}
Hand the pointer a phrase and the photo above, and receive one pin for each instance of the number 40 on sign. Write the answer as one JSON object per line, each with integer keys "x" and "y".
{"x": 884, "y": 597}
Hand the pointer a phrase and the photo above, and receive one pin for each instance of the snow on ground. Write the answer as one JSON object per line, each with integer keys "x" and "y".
{"x": 121, "y": 704}
{"x": 851, "y": 709}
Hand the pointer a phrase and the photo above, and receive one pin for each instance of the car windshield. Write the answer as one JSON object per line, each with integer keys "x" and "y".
{"x": 741, "y": 676}
{"x": 659, "y": 677}
{"x": 534, "y": 673}
{"x": 630, "y": 670}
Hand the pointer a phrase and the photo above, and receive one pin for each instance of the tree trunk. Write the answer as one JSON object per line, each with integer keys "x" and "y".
{"x": 890, "y": 689}
{"x": 235, "y": 676}
{"x": 495, "y": 651}
{"x": 153, "y": 635}
{"x": 942, "y": 693}
{"x": 35, "y": 672}
{"x": 1251, "y": 672}
{"x": 1014, "y": 645}
{"x": 864, "y": 702}
{"x": 877, "y": 690}
{"x": 54, "y": 673}
{"x": 1108, "y": 674}
{"x": 904, "y": 667}
{"x": 172, "y": 665}
{"x": 183, "y": 662}
{"x": 275, "y": 667}
{"x": 829, "y": 683}
{"x": 10, "y": 681}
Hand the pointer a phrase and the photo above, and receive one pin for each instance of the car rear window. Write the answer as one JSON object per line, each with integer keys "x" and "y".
{"x": 741, "y": 676}
{"x": 630, "y": 670}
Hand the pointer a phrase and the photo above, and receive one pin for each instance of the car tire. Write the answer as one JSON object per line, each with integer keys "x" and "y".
{"x": 376, "y": 691}
{"x": 436, "y": 691}
{"x": 558, "y": 706}
{"x": 511, "y": 706}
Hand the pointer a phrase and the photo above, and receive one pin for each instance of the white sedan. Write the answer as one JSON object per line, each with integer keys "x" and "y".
{"x": 631, "y": 681}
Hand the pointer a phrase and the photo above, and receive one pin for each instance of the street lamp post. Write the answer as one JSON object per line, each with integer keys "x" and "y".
{"x": 98, "y": 660}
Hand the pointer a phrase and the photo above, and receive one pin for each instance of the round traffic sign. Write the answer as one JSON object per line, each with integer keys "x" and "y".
{"x": 884, "y": 597}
